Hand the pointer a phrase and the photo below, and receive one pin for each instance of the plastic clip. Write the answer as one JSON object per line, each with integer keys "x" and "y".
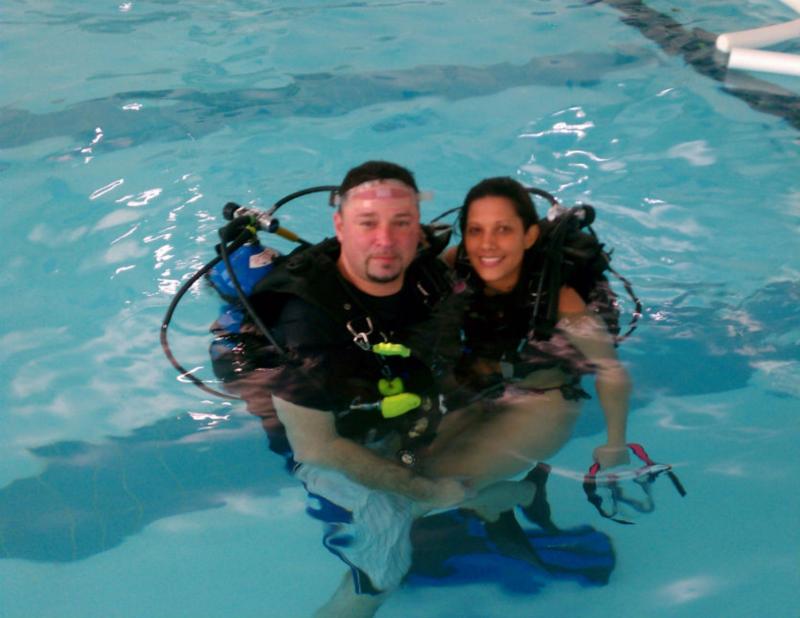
{"x": 391, "y": 349}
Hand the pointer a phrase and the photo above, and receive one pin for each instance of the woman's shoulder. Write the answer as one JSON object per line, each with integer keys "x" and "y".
{"x": 569, "y": 301}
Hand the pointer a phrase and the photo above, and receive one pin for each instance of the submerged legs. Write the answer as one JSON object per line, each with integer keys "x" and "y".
{"x": 493, "y": 442}
{"x": 345, "y": 603}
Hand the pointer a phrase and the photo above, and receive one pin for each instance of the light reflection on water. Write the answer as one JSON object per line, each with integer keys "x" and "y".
{"x": 690, "y": 589}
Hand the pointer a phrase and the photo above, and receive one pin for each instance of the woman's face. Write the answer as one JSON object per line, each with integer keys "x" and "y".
{"x": 495, "y": 241}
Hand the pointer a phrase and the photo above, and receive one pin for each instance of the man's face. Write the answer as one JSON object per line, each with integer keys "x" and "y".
{"x": 378, "y": 229}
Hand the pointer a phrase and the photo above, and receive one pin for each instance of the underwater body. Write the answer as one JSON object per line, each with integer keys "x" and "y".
{"x": 90, "y": 497}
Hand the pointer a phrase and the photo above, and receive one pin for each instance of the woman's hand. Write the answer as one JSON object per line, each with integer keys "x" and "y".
{"x": 610, "y": 456}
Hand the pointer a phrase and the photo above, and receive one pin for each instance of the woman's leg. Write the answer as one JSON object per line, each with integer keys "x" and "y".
{"x": 500, "y": 440}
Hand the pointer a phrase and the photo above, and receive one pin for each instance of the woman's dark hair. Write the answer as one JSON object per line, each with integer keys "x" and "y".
{"x": 377, "y": 170}
{"x": 502, "y": 186}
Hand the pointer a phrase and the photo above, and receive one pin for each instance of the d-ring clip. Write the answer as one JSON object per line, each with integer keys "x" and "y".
{"x": 361, "y": 339}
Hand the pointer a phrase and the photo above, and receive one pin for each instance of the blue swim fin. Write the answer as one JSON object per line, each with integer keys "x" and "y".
{"x": 581, "y": 553}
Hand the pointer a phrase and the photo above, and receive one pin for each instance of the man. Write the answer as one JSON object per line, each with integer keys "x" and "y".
{"x": 357, "y": 318}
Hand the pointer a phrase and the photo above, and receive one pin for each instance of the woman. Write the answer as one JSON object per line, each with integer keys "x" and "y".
{"x": 515, "y": 345}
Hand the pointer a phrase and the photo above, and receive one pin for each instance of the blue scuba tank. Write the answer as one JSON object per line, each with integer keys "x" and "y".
{"x": 251, "y": 263}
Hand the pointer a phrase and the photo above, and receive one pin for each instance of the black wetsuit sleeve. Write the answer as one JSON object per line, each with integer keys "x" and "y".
{"x": 318, "y": 372}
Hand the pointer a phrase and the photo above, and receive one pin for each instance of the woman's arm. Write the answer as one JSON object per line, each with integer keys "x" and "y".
{"x": 590, "y": 336}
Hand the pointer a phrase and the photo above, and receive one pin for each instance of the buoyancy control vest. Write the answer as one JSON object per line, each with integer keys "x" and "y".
{"x": 311, "y": 274}
{"x": 390, "y": 371}
{"x": 518, "y": 329}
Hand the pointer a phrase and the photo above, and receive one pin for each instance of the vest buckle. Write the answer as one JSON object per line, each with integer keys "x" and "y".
{"x": 361, "y": 339}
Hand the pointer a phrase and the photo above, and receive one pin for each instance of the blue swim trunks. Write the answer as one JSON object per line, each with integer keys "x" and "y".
{"x": 369, "y": 530}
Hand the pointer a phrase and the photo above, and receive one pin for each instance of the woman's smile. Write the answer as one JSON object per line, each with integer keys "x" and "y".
{"x": 495, "y": 241}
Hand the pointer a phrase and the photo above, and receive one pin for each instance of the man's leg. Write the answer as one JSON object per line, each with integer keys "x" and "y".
{"x": 346, "y": 603}
{"x": 368, "y": 530}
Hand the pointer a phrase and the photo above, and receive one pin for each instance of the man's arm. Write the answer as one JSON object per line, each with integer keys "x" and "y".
{"x": 314, "y": 440}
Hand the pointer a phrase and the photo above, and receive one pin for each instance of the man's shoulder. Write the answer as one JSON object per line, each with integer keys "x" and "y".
{"x": 305, "y": 277}
{"x": 299, "y": 309}
{"x": 305, "y": 325}
{"x": 305, "y": 265}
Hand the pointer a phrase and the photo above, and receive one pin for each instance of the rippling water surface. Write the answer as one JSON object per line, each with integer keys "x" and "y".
{"x": 124, "y": 128}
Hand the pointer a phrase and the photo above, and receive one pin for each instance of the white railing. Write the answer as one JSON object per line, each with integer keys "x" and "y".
{"x": 743, "y": 47}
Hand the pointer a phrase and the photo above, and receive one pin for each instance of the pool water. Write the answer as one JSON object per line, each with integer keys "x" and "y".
{"x": 126, "y": 126}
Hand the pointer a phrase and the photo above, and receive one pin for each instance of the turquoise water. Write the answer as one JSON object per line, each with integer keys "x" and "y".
{"x": 125, "y": 127}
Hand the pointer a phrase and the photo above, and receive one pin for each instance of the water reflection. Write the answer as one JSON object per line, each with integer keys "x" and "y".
{"x": 172, "y": 114}
{"x": 730, "y": 344}
{"x": 84, "y": 482}
{"x": 698, "y": 49}
{"x": 690, "y": 589}
{"x": 90, "y": 497}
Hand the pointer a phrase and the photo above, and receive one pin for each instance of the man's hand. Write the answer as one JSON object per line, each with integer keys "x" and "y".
{"x": 499, "y": 497}
{"x": 440, "y": 493}
{"x": 312, "y": 435}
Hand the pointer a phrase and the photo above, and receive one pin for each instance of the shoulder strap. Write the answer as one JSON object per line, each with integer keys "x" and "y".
{"x": 544, "y": 280}
{"x": 430, "y": 276}
{"x": 311, "y": 273}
